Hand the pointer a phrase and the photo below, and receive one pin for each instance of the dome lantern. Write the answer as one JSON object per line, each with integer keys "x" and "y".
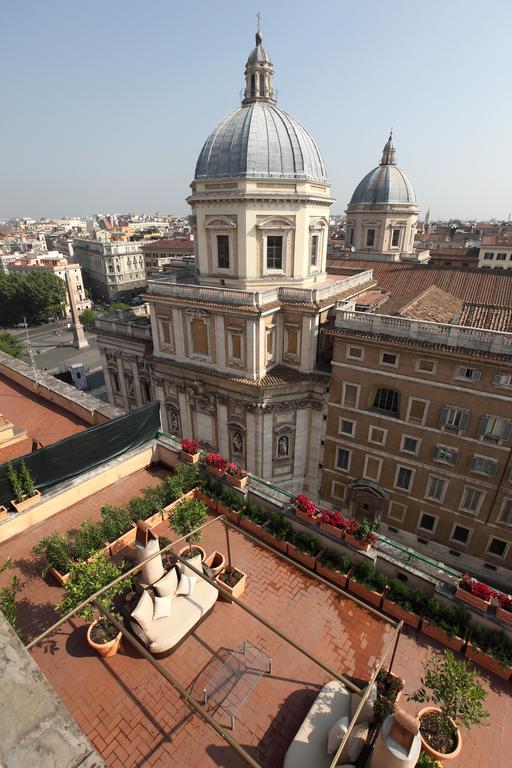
{"x": 258, "y": 75}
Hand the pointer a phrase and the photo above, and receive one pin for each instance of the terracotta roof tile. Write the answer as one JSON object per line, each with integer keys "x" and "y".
{"x": 432, "y": 304}
{"x": 485, "y": 316}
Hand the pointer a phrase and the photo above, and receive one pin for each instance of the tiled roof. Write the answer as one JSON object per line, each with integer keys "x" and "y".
{"x": 505, "y": 240}
{"x": 471, "y": 285}
{"x": 177, "y": 244}
{"x": 432, "y": 304}
{"x": 485, "y": 316}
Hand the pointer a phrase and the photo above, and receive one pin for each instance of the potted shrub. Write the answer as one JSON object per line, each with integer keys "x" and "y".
{"x": 233, "y": 580}
{"x": 216, "y": 562}
{"x": 332, "y": 522}
{"x": 361, "y": 534}
{"x": 367, "y": 584}
{"x": 456, "y": 692}
{"x": 404, "y": 603}
{"x": 278, "y": 532}
{"x": 235, "y": 475}
{"x": 474, "y": 592}
{"x": 185, "y": 518}
{"x": 491, "y": 649}
{"x": 118, "y": 527}
{"x": 304, "y": 548}
{"x": 389, "y": 691}
{"x": 55, "y": 552}
{"x": 334, "y": 566}
{"x": 189, "y": 450}
{"x": 210, "y": 492}
{"x": 86, "y": 579}
{"x": 504, "y": 608}
{"x": 216, "y": 464}
{"x": 88, "y": 540}
{"x": 253, "y": 518}
{"x": 445, "y": 623}
{"x": 425, "y": 761}
{"x": 229, "y": 501}
{"x": 304, "y": 508}
{"x": 23, "y": 488}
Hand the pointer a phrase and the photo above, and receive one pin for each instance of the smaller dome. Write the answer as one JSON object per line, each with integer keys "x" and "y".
{"x": 385, "y": 184}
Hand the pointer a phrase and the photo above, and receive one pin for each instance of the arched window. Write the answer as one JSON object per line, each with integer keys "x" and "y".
{"x": 262, "y": 84}
{"x": 387, "y": 400}
{"x": 253, "y": 85}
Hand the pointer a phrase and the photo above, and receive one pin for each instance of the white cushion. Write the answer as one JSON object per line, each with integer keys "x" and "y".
{"x": 162, "y": 607}
{"x": 143, "y": 613}
{"x": 336, "y": 735}
{"x": 356, "y": 742}
{"x": 367, "y": 714}
{"x": 186, "y": 585}
{"x": 168, "y": 584}
{"x": 196, "y": 562}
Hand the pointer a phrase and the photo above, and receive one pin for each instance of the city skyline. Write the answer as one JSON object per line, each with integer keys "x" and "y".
{"x": 123, "y": 129}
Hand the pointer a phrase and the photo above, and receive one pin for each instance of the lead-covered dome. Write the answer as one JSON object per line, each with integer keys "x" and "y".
{"x": 260, "y": 140}
{"x": 386, "y": 184}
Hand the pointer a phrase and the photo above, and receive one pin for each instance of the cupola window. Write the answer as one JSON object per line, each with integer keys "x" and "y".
{"x": 223, "y": 251}
{"x": 395, "y": 239}
{"x": 370, "y": 238}
{"x": 314, "y": 250}
{"x": 274, "y": 252}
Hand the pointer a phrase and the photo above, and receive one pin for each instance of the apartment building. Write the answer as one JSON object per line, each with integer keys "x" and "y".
{"x": 110, "y": 268}
{"x": 159, "y": 254}
{"x": 70, "y": 274}
{"x": 495, "y": 252}
{"x": 419, "y": 433}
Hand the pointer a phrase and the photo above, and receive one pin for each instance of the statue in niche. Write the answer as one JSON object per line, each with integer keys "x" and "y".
{"x": 237, "y": 443}
{"x": 174, "y": 423}
{"x": 283, "y": 446}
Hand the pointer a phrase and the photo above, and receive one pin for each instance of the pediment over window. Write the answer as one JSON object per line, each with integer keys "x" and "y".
{"x": 221, "y": 222}
{"x": 274, "y": 222}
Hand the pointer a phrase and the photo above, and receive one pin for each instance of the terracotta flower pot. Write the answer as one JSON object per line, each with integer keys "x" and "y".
{"x": 185, "y": 550}
{"x": 333, "y": 530}
{"x": 357, "y": 543}
{"x": 302, "y": 557}
{"x": 398, "y": 612}
{"x": 279, "y": 544}
{"x": 22, "y": 506}
{"x": 234, "y": 591}
{"x": 503, "y": 615}
{"x": 339, "y": 578}
{"x": 436, "y": 633}
{"x": 189, "y": 458}
{"x": 236, "y": 482}
{"x": 104, "y": 649}
{"x": 59, "y": 578}
{"x": 374, "y": 598}
{"x": 488, "y": 662}
{"x": 304, "y": 516}
{"x": 473, "y": 600}
{"x": 254, "y": 528}
{"x": 233, "y": 516}
{"x": 3, "y": 512}
{"x": 216, "y": 562}
{"x": 430, "y": 750}
{"x": 215, "y": 472}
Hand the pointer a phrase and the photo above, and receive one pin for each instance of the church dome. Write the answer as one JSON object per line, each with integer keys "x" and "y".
{"x": 260, "y": 140}
{"x": 386, "y": 184}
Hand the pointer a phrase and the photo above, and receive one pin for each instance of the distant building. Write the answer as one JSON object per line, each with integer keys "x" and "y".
{"x": 495, "y": 252}
{"x": 57, "y": 265}
{"x": 110, "y": 269}
{"x": 454, "y": 257}
{"x": 162, "y": 252}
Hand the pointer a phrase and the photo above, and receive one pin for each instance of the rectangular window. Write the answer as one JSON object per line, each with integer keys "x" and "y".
{"x": 460, "y": 534}
{"x": 488, "y": 256}
{"x": 372, "y": 468}
{"x": 506, "y": 512}
{"x": 395, "y": 239}
{"x": 386, "y": 400}
{"x": 223, "y": 251}
{"x": 445, "y": 454}
{"x": 436, "y": 488}
{"x": 426, "y": 366}
{"x": 377, "y": 435}
{"x": 274, "y": 252}
{"x": 270, "y": 344}
{"x": 370, "y": 238}
{"x": 350, "y": 239}
{"x": 497, "y": 547}
{"x": 292, "y": 342}
{"x": 427, "y": 522}
{"x": 199, "y": 334}
{"x": 417, "y": 411}
{"x": 502, "y": 380}
{"x": 501, "y": 257}
{"x": 347, "y": 427}
{"x": 115, "y": 382}
{"x": 314, "y": 250}
{"x": 409, "y": 445}
{"x": 236, "y": 346}
{"x": 454, "y": 419}
{"x": 355, "y": 353}
{"x": 468, "y": 374}
{"x": 471, "y": 499}
{"x": 483, "y": 465}
{"x": 403, "y": 478}
{"x": 350, "y": 395}
{"x": 493, "y": 428}
{"x": 342, "y": 459}
{"x": 387, "y": 358}
{"x": 397, "y": 511}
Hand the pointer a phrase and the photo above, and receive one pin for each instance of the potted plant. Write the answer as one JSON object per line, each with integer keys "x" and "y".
{"x": 389, "y": 691}
{"x": 216, "y": 562}
{"x": 216, "y": 464}
{"x": 189, "y": 450}
{"x": 118, "y": 527}
{"x": 445, "y": 623}
{"x": 367, "y": 584}
{"x": 235, "y": 475}
{"x": 88, "y": 540}
{"x": 23, "y": 488}
{"x": 304, "y": 548}
{"x": 55, "y": 553}
{"x": 230, "y": 503}
{"x": 334, "y": 566}
{"x": 491, "y": 649}
{"x": 304, "y": 508}
{"x": 425, "y": 761}
{"x": 85, "y": 580}
{"x": 474, "y": 592}
{"x": 332, "y": 522}
{"x": 278, "y": 532}
{"x": 184, "y": 519}
{"x": 404, "y": 603}
{"x": 233, "y": 580}
{"x": 361, "y": 534}
{"x": 456, "y": 692}
{"x": 253, "y": 518}
{"x": 504, "y": 608}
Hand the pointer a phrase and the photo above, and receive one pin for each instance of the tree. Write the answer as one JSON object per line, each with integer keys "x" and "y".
{"x": 10, "y": 344}
{"x": 37, "y": 296}
{"x": 88, "y": 318}
{"x": 188, "y": 515}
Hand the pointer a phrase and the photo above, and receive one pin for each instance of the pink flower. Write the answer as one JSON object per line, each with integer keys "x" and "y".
{"x": 190, "y": 446}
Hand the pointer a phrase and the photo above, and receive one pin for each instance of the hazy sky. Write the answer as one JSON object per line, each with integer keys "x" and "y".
{"x": 107, "y": 103}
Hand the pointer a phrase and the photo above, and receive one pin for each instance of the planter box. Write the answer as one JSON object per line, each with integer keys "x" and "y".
{"x": 255, "y": 528}
{"x": 374, "y": 598}
{"x": 436, "y": 633}
{"x": 21, "y": 506}
{"x": 503, "y": 615}
{"x": 302, "y": 557}
{"x": 189, "y": 458}
{"x": 235, "y": 591}
{"x": 303, "y": 516}
{"x": 328, "y": 528}
{"x": 236, "y": 482}
{"x": 215, "y": 472}
{"x": 155, "y": 519}
{"x": 3, "y": 512}
{"x": 233, "y": 516}
{"x": 212, "y": 504}
{"x": 279, "y": 544}
{"x": 189, "y": 495}
{"x": 336, "y": 576}
{"x": 357, "y": 543}
{"x": 487, "y": 662}
{"x": 400, "y": 613}
{"x": 125, "y": 540}
{"x": 59, "y": 578}
{"x": 473, "y": 600}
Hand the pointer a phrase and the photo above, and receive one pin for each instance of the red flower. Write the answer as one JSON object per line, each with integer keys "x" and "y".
{"x": 333, "y": 518}
{"x": 190, "y": 446}
{"x": 352, "y": 526}
{"x": 505, "y": 601}
{"x": 234, "y": 471}
{"x": 217, "y": 461}
{"x": 304, "y": 504}
{"x": 477, "y": 588}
